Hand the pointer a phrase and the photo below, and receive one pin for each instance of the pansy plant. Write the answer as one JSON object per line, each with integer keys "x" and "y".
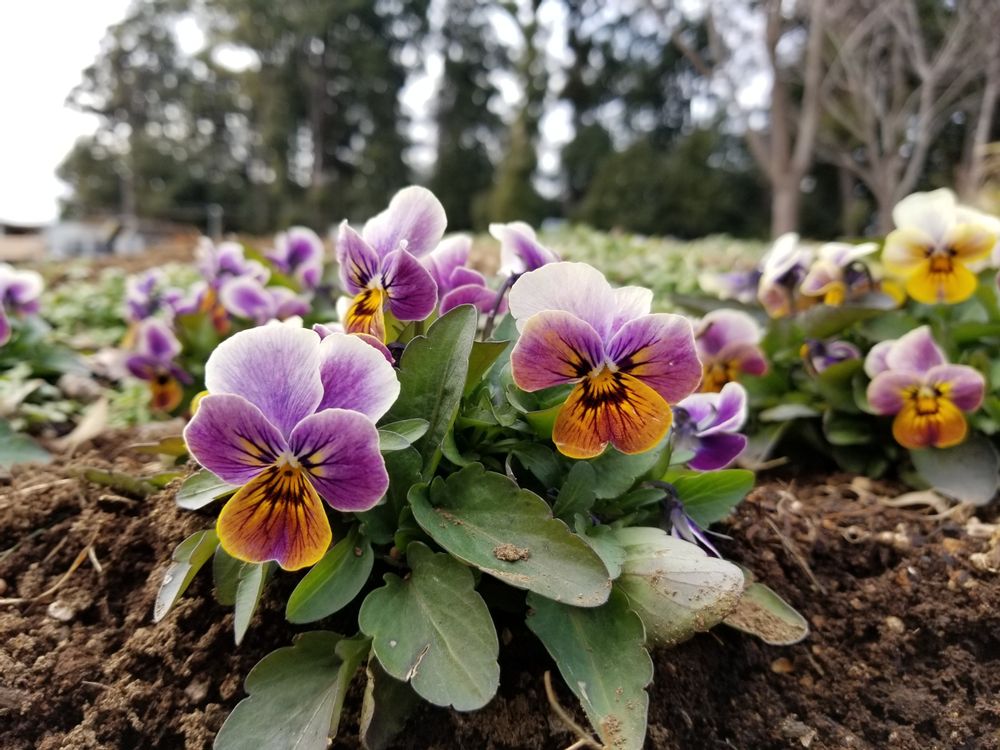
{"x": 153, "y": 359}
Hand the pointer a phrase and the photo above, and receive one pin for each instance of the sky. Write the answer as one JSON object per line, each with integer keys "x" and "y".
{"x": 44, "y": 44}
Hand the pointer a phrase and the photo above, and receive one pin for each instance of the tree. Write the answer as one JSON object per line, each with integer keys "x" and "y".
{"x": 899, "y": 73}
{"x": 781, "y": 134}
{"x": 467, "y": 127}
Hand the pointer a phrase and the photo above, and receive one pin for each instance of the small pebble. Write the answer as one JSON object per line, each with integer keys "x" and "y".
{"x": 197, "y": 691}
{"x": 895, "y": 625}
{"x": 782, "y": 665}
{"x": 60, "y": 610}
{"x": 3, "y": 586}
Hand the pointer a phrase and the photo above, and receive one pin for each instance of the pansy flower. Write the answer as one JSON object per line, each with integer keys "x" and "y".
{"x": 934, "y": 242}
{"x": 246, "y": 297}
{"x": 458, "y": 284}
{"x": 706, "y": 425}
{"x": 143, "y": 295}
{"x": 19, "y": 295}
{"x": 735, "y": 285}
{"x": 298, "y": 252}
{"x": 380, "y": 267}
{"x": 156, "y": 348}
{"x": 821, "y": 355}
{"x": 781, "y": 270}
{"x": 328, "y": 329}
{"x": 913, "y": 380}
{"x": 292, "y": 420}
{"x": 837, "y": 274}
{"x": 626, "y": 365}
{"x": 226, "y": 260}
{"x": 728, "y": 346}
{"x": 520, "y": 250}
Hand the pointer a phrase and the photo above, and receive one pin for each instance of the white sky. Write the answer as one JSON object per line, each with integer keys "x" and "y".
{"x": 44, "y": 45}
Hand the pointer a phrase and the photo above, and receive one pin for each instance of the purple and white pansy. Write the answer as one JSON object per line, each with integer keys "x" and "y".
{"x": 520, "y": 250}
{"x": 380, "y": 266}
{"x": 20, "y": 291}
{"x": 458, "y": 284}
{"x": 706, "y": 426}
{"x": 298, "y": 252}
{"x": 153, "y": 359}
{"x": 291, "y": 418}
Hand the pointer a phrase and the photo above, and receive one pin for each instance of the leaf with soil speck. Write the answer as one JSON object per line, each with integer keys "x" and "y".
{"x": 763, "y": 613}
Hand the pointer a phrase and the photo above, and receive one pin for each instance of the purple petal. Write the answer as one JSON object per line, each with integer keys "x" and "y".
{"x": 414, "y": 221}
{"x": 660, "y": 351}
{"x": 155, "y": 340}
{"x": 464, "y": 277}
{"x": 730, "y": 410}
{"x": 915, "y": 351}
{"x": 245, "y": 297}
{"x": 571, "y": 287}
{"x": 410, "y": 287}
{"x": 22, "y": 288}
{"x": 554, "y": 347}
{"x": 449, "y": 256}
{"x": 716, "y": 451}
{"x": 302, "y": 252}
{"x": 285, "y": 303}
{"x": 275, "y": 367}
{"x": 142, "y": 366}
{"x": 230, "y": 437}
{"x": 482, "y": 297}
{"x": 723, "y": 327}
{"x": 325, "y": 329}
{"x": 749, "y": 357}
{"x": 822, "y": 275}
{"x": 964, "y": 385}
{"x": 339, "y": 450}
{"x": 885, "y": 392}
{"x": 356, "y": 376}
{"x": 359, "y": 263}
{"x": 520, "y": 250}
{"x": 876, "y": 362}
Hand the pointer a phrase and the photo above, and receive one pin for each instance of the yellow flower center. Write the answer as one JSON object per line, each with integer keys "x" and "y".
{"x": 717, "y": 374}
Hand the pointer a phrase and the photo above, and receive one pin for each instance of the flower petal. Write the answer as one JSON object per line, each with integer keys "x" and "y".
{"x": 916, "y": 351}
{"x": 905, "y": 249}
{"x": 611, "y": 408}
{"x": 410, "y": 287}
{"x": 520, "y": 250}
{"x": 230, "y": 437}
{"x": 721, "y": 327}
{"x": 741, "y": 357}
{"x": 717, "y": 451}
{"x": 962, "y": 385}
{"x": 730, "y": 409}
{"x": 359, "y": 263}
{"x": 276, "y": 516}
{"x": 876, "y": 361}
{"x": 245, "y": 297}
{"x": 301, "y": 250}
{"x": 933, "y": 213}
{"x": 971, "y": 241}
{"x": 887, "y": 392}
{"x": 356, "y": 376}
{"x": 823, "y": 275}
{"x": 414, "y": 221}
{"x": 339, "y": 451}
{"x": 275, "y": 367}
{"x": 166, "y": 392}
{"x": 365, "y": 314}
{"x": 155, "y": 340}
{"x": 932, "y": 287}
{"x": 942, "y": 429}
{"x": 446, "y": 258}
{"x": 482, "y": 297}
{"x": 555, "y": 347}
{"x": 572, "y": 287}
{"x": 660, "y": 351}
{"x": 631, "y": 302}
{"x": 843, "y": 253}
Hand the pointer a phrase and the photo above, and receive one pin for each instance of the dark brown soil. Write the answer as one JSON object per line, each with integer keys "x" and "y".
{"x": 903, "y": 654}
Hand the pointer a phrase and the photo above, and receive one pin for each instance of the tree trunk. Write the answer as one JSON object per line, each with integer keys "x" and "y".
{"x": 785, "y": 197}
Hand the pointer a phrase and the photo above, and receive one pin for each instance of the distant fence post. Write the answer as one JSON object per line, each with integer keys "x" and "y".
{"x": 214, "y": 221}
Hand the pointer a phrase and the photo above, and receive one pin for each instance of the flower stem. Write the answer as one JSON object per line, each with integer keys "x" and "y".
{"x": 507, "y": 284}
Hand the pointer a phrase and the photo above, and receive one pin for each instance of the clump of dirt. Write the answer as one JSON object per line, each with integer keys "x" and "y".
{"x": 903, "y": 653}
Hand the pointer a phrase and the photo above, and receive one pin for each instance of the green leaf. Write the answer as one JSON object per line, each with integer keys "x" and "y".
{"x": 173, "y": 446}
{"x": 187, "y": 560}
{"x": 835, "y": 384}
{"x": 410, "y": 430}
{"x": 675, "y": 588}
{"x": 763, "y": 613}
{"x": 577, "y": 493}
{"x": 616, "y": 472}
{"x": 385, "y": 707}
{"x": 485, "y": 520}
{"x": 824, "y": 321}
{"x": 389, "y": 441}
{"x": 296, "y": 695}
{"x": 334, "y": 581}
{"x": 226, "y": 576}
{"x": 432, "y": 376}
{"x": 969, "y": 472}
{"x": 381, "y": 521}
{"x": 16, "y": 448}
{"x": 250, "y": 585}
{"x": 541, "y": 461}
{"x": 603, "y": 541}
{"x": 202, "y": 488}
{"x": 601, "y": 656}
{"x": 787, "y": 413}
{"x": 481, "y": 359}
{"x": 434, "y": 631}
{"x": 848, "y": 429}
{"x": 708, "y": 497}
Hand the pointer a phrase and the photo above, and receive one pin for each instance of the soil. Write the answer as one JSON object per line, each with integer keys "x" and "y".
{"x": 904, "y": 609}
